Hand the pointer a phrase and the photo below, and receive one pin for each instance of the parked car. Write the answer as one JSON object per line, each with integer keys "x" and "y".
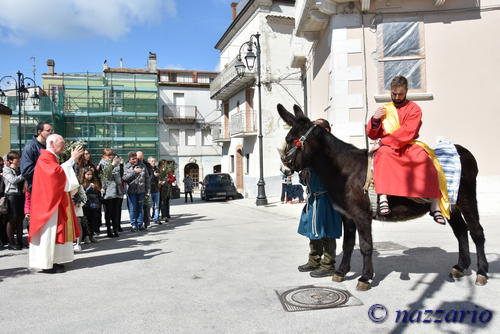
{"x": 219, "y": 185}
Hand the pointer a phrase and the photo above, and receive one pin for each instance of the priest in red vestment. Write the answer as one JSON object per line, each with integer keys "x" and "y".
{"x": 53, "y": 223}
{"x": 402, "y": 168}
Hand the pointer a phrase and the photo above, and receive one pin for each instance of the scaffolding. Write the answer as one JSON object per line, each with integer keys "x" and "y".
{"x": 46, "y": 111}
{"x": 116, "y": 110}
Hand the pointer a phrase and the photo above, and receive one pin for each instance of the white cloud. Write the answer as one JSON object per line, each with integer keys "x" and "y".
{"x": 21, "y": 21}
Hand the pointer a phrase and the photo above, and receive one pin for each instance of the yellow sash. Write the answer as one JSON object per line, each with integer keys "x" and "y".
{"x": 391, "y": 123}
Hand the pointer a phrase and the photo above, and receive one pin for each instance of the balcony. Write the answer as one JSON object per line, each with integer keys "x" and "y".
{"x": 174, "y": 113}
{"x": 218, "y": 134}
{"x": 243, "y": 124}
{"x": 227, "y": 83}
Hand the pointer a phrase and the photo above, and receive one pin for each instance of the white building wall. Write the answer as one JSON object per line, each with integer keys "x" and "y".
{"x": 199, "y": 97}
{"x": 280, "y": 84}
{"x": 205, "y": 156}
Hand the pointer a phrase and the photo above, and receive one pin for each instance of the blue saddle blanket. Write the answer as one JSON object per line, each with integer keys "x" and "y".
{"x": 449, "y": 159}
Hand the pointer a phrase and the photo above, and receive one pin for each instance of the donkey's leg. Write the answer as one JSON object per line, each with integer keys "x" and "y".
{"x": 460, "y": 230}
{"x": 347, "y": 248}
{"x": 366, "y": 247}
{"x": 471, "y": 215}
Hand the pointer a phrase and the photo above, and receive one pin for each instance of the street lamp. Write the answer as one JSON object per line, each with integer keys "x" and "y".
{"x": 250, "y": 58}
{"x": 21, "y": 84}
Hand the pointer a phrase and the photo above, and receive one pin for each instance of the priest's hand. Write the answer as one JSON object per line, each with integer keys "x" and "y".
{"x": 375, "y": 146}
{"x": 76, "y": 153}
{"x": 379, "y": 113}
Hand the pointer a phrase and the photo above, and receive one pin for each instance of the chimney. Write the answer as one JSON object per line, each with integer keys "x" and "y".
{"x": 152, "y": 62}
{"x": 105, "y": 66}
{"x": 50, "y": 66}
{"x": 233, "y": 9}
{"x": 121, "y": 62}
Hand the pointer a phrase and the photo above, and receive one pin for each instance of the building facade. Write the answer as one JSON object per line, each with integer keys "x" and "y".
{"x": 355, "y": 48}
{"x": 188, "y": 119}
{"x": 238, "y": 95}
{"x": 115, "y": 109}
{"x": 31, "y": 111}
{"x": 5, "y": 114}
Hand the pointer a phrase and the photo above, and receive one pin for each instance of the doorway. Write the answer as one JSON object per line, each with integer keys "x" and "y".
{"x": 239, "y": 168}
{"x": 193, "y": 170}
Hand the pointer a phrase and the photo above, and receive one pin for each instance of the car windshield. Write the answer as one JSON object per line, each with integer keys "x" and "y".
{"x": 219, "y": 178}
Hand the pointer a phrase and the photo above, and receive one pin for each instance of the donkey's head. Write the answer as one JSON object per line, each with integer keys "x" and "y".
{"x": 296, "y": 152}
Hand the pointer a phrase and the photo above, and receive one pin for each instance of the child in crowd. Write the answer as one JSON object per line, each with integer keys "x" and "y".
{"x": 92, "y": 208}
{"x": 79, "y": 199}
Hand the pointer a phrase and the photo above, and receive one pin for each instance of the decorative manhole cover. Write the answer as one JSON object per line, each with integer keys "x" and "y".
{"x": 313, "y": 297}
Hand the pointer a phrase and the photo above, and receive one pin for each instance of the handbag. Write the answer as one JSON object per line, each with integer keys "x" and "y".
{"x": 4, "y": 208}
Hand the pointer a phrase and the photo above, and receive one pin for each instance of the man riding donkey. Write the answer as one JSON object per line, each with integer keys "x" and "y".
{"x": 404, "y": 166}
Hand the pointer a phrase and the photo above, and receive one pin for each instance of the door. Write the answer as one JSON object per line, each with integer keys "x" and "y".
{"x": 239, "y": 169}
{"x": 193, "y": 170}
{"x": 179, "y": 105}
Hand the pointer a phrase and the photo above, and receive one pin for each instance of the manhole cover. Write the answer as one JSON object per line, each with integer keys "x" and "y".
{"x": 314, "y": 297}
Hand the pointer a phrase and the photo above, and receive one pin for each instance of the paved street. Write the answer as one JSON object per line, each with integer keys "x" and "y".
{"x": 215, "y": 268}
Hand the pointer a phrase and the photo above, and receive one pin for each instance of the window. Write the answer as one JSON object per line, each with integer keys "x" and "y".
{"x": 54, "y": 92}
{"x": 206, "y": 137}
{"x": 88, "y": 131}
{"x": 401, "y": 52}
{"x": 173, "y": 137}
{"x": 247, "y": 163}
{"x": 190, "y": 137}
{"x": 232, "y": 163}
{"x": 116, "y": 101}
{"x": 116, "y": 130}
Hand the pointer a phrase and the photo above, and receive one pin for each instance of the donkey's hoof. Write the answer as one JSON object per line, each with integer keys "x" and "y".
{"x": 363, "y": 286}
{"x": 481, "y": 280}
{"x": 338, "y": 278}
{"x": 455, "y": 273}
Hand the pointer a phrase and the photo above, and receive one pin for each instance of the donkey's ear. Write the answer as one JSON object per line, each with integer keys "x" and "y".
{"x": 298, "y": 111}
{"x": 286, "y": 115}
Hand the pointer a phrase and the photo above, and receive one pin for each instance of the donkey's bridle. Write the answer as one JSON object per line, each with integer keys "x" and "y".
{"x": 299, "y": 143}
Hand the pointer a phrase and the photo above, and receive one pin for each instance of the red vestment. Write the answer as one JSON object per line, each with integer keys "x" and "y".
{"x": 47, "y": 195}
{"x": 400, "y": 168}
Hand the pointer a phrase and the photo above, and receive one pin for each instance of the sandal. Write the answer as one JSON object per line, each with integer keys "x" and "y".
{"x": 383, "y": 208}
{"x": 438, "y": 217}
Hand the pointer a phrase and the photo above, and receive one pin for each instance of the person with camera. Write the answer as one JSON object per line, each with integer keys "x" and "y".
{"x": 138, "y": 180}
{"x": 111, "y": 191}
{"x": 14, "y": 194}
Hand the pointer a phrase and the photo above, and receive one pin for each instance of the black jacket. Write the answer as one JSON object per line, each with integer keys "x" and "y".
{"x": 29, "y": 157}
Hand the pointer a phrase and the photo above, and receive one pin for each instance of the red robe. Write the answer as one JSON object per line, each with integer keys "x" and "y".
{"x": 47, "y": 195}
{"x": 400, "y": 168}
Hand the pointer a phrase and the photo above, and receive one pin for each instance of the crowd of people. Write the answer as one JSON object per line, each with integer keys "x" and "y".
{"x": 99, "y": 186}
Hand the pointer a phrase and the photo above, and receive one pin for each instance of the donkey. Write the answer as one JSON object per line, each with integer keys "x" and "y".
{"x": 342, "y": 169}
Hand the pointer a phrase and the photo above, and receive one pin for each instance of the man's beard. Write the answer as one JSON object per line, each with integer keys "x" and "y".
{"x": 399, "y": 103}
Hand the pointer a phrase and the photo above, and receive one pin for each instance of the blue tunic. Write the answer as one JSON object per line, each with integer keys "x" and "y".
{"x": 319, "y": 219}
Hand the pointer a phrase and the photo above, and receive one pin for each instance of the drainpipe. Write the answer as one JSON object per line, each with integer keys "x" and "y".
{"x": 365, "y": 77}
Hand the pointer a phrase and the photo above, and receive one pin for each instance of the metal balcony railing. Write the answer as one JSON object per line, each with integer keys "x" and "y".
{"x": 228, "y": 82}
{"x": 218, "y": 132}
{"x": 174, "y": 112}
{"x": 243, "y": 123}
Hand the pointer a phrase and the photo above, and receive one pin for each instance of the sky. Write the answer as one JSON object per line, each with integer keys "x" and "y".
{"x": 80, "y": 34}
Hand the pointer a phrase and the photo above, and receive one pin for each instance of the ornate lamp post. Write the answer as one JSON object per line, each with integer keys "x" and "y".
{"x": 21, "y": 84}
{"x": 250, "y": 59}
